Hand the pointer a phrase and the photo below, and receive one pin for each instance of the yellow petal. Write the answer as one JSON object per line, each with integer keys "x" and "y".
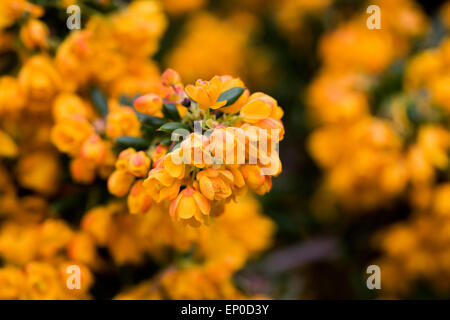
{"x": 255, "y": 110}
{"x": 186, "y": 207}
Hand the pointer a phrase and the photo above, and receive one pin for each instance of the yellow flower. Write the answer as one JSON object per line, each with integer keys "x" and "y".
{"x": 259, "y": 107}
{"x": 206, "y": 93}
{"x": 441, "y": 201}
{"x": 161, "y": 185}
{"x": 39, "y": 171}
{"x": 40, "y": 82}
{"x": 138, "y": 164}
{"x": 82, "y": 248}
{"x": 11, "y": 95}
{"x": 82, "y": 170}
{"x": 190, "y": 207}
{"x": 139, "y": 199}
{"x": 93, "y": 149}
{"x": 98, "y": 222}
{"x": 54, "y": 235}
{"x": 18, "y": 243}
{"x": 123, "y": 160}
{"x": 255, "y": 179}
{"x": 12, "y": 282}
{"x": 34, "y": 34}
{"x": 69, "y": 134}
{"x": 67, "y": 105}
{"x": 215, "y": 184}
{"x": 174, "y": 168}
{"x": 272, "y": 124}
{"x": 119, "y": 182}
{"x": 157, "y": 154}
{"x": 42, "y": 281}
{"x": 150, "y": 104}
{"x": 435, "y": 143}
{"x": 170, "y": 78}
{"x": 13, "y": 10}
{"x": 122, "y": 121}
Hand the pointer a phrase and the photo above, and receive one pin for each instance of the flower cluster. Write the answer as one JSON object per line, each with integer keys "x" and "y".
{"x": 86, "y": 116}
{"x": 366, "y": 167}
{"x": 221, "y": 159}
{"x": 391, "y": 147}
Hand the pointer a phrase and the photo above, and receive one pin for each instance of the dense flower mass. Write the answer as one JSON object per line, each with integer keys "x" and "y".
{"x": 156, "y": 149}
{"x": 222, "y": 127}
{"x": 392, "y": 147}
{"x": 90, "y": 118}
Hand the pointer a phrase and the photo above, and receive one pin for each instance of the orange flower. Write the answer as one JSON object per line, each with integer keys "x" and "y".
{"x": 40, "y": 82}
{"x": 122, "y": 121}
{"x": 259, "y": 107}
{"x": 139, "y": 200}
{"x": 170, "y": 78}
{"x": 150, "y": 104}
{"x": 93, "y": 149}
{"x": 82, "y": 170}
{"x": 34, "y": 34}
{"x": 69, "y": 135}
{"x": 215, "y": 184}
{"x": 139, "y": 164}
{"x": 174, "y": 165}
{"x": 67, "y": 105}
{"x": 161, "y": 185}
{"x": 157, "y": 154}
{"x": 272, "y": 124}
{"x": 206, "y": 93}
{"x": 11, "y": 95}
{"x": 120, "y": 182}
{"x": 123, "y": 160}
{"x": 39, "y": 171}
{"x": 42, "y": 281}
{"x": 54, "y": 235}
{"x": 190, "y": 207}
{"x": 12, "y": 281}
{"x": 98, "y": 222}
{"x": 255, "y": 180}
{"x": 82, "y": 249}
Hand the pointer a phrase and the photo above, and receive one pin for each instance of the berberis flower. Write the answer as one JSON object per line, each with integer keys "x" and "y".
{"x": 201, "y": 146}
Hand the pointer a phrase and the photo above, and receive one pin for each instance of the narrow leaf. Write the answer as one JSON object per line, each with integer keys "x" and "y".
{"x": 170, "y": 111}
{"x": 133, "y": 142}
{"x": 100, "y": 101}
{"x": 171, "y": 126}
{"x": 230, "y": 96}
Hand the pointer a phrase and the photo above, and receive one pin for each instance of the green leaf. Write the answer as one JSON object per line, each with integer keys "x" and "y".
{"x": 171, "y": 126}
{"x": 133, "y": 142}
{"x": 100, "y": 101}
{"x": 230, "y": 96}
{"x": 125, "y": 100}
{"x": 170, "y": 111}
{"x": 150, "y": 122}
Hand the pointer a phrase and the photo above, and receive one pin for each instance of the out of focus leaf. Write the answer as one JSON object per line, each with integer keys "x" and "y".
{"x": 133, "y": 142}
{"x": 150, "y": 122}
{"x": 170, "y": 111}
{"x": 100, "y": 101}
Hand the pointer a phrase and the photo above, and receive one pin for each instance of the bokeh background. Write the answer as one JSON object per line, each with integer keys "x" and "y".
{"x": 366, "y": 171}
